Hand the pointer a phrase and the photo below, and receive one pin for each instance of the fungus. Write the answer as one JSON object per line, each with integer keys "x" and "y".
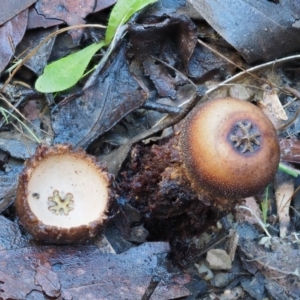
{"x": 63, "y": 195}
{"x": 229, "y": 148}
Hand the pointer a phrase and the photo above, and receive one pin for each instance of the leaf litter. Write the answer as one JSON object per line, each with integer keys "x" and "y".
{"x": 74, "y": 272}
{"x": 157, "y": 72}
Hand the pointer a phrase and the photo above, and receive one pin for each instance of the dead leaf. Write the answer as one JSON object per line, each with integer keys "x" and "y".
{"x": 172, "y": 40}
{"x": 272, "y": 107}
{"x": 290, "y": 150}
{"x": 259, "y": 30}
{"x": 8, "y": 185}
{"x": 10, "y": 288}
{"x": 251, "y": 215}
{"x": 103, "y": 4}
{"x": 37, "y": 21}
{"x": 254, "y": 286}
{"x": 11, "y": 235}
{"x": 16, "y": 144}
{"x": 48, "y": 280}
{"x": 11, "y": 34}
{"x": 276, "y": 291}
{"x": 31, "y": 39}
{"x": 240, "y": 91}
{"x": 204, "y": 64}
{"x": 72, "y": 12}
{"x": 30, "y": 110}
{"x": 172, "y": 289}
{"x": 82, "y": 272}
{"x": 284, "y": 194}
{"x": 281, "y": 264}
{"x": 164, "y": 26}
{"x": 11, "y": 8}
{"x": 115, "y": 94}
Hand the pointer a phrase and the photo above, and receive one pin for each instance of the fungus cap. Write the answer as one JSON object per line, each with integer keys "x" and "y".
{"x": 63, "y": 195}
{"x": 229, "y": 147}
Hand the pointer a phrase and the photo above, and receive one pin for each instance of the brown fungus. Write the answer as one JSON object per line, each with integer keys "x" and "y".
{"x": 63, "y": 195}
{"x": 229, "y": 148}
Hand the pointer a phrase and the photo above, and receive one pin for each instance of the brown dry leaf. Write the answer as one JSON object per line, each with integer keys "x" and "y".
{"x": 30, "y": 111}
{"x": 115, "y": 94}
{"x": 172, "y": 289}
{"x": 259, "y": 30}
{"x": 103, "y": 4}
{"x": 17, "y": 144}
{"x": 290, "y": 149}
{"x": 281, "y": 264}
{"x": 11, "y": 33}
{"x": 33, "y": 38}
{"x": 72, "y": 12}
{"x": 10, "y": 288}
{"x": 8, "y": 185}
{"x": 47, "y": 280}
{"x": 83, "y": 272}
{"x": 171, "y": 39}
{"x": 284, "y": 193}
{"x": 272, "y": 107}
{"x": 37, "y": 21}
{"x": 11, "y": 8}
{"x": 11, "y": 235}
{"x": 243, "y": 215}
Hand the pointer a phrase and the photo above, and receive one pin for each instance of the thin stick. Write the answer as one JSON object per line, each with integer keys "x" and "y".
{"x": 257, "y": 218}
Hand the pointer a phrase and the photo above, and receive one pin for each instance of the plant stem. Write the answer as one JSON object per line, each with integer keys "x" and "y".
{"x": 288, "y": 169}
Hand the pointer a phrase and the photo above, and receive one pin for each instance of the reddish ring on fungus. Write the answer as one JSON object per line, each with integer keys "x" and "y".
{"x": 63, "y": 195}
{"x": 229, "y": 147}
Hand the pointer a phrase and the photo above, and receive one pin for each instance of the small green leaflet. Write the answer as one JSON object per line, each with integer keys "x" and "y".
{"x": 121, "y": 13}
{"x": 65, "y": 72}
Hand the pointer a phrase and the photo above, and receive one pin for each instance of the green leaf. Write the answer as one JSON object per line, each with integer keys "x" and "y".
{"x": 65, "y": 72}
{"x": 121, "y": 13}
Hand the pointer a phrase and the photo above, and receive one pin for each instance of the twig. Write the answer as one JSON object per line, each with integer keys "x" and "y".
{"x": 121, "y": 31}
{"x": 258, "y": 220}
{"x": 288, "y": 123}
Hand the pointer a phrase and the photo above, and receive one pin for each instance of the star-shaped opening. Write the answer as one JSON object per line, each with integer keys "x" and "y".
{"x": 246, "y": 139}
{"x": 61, "y": 205}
